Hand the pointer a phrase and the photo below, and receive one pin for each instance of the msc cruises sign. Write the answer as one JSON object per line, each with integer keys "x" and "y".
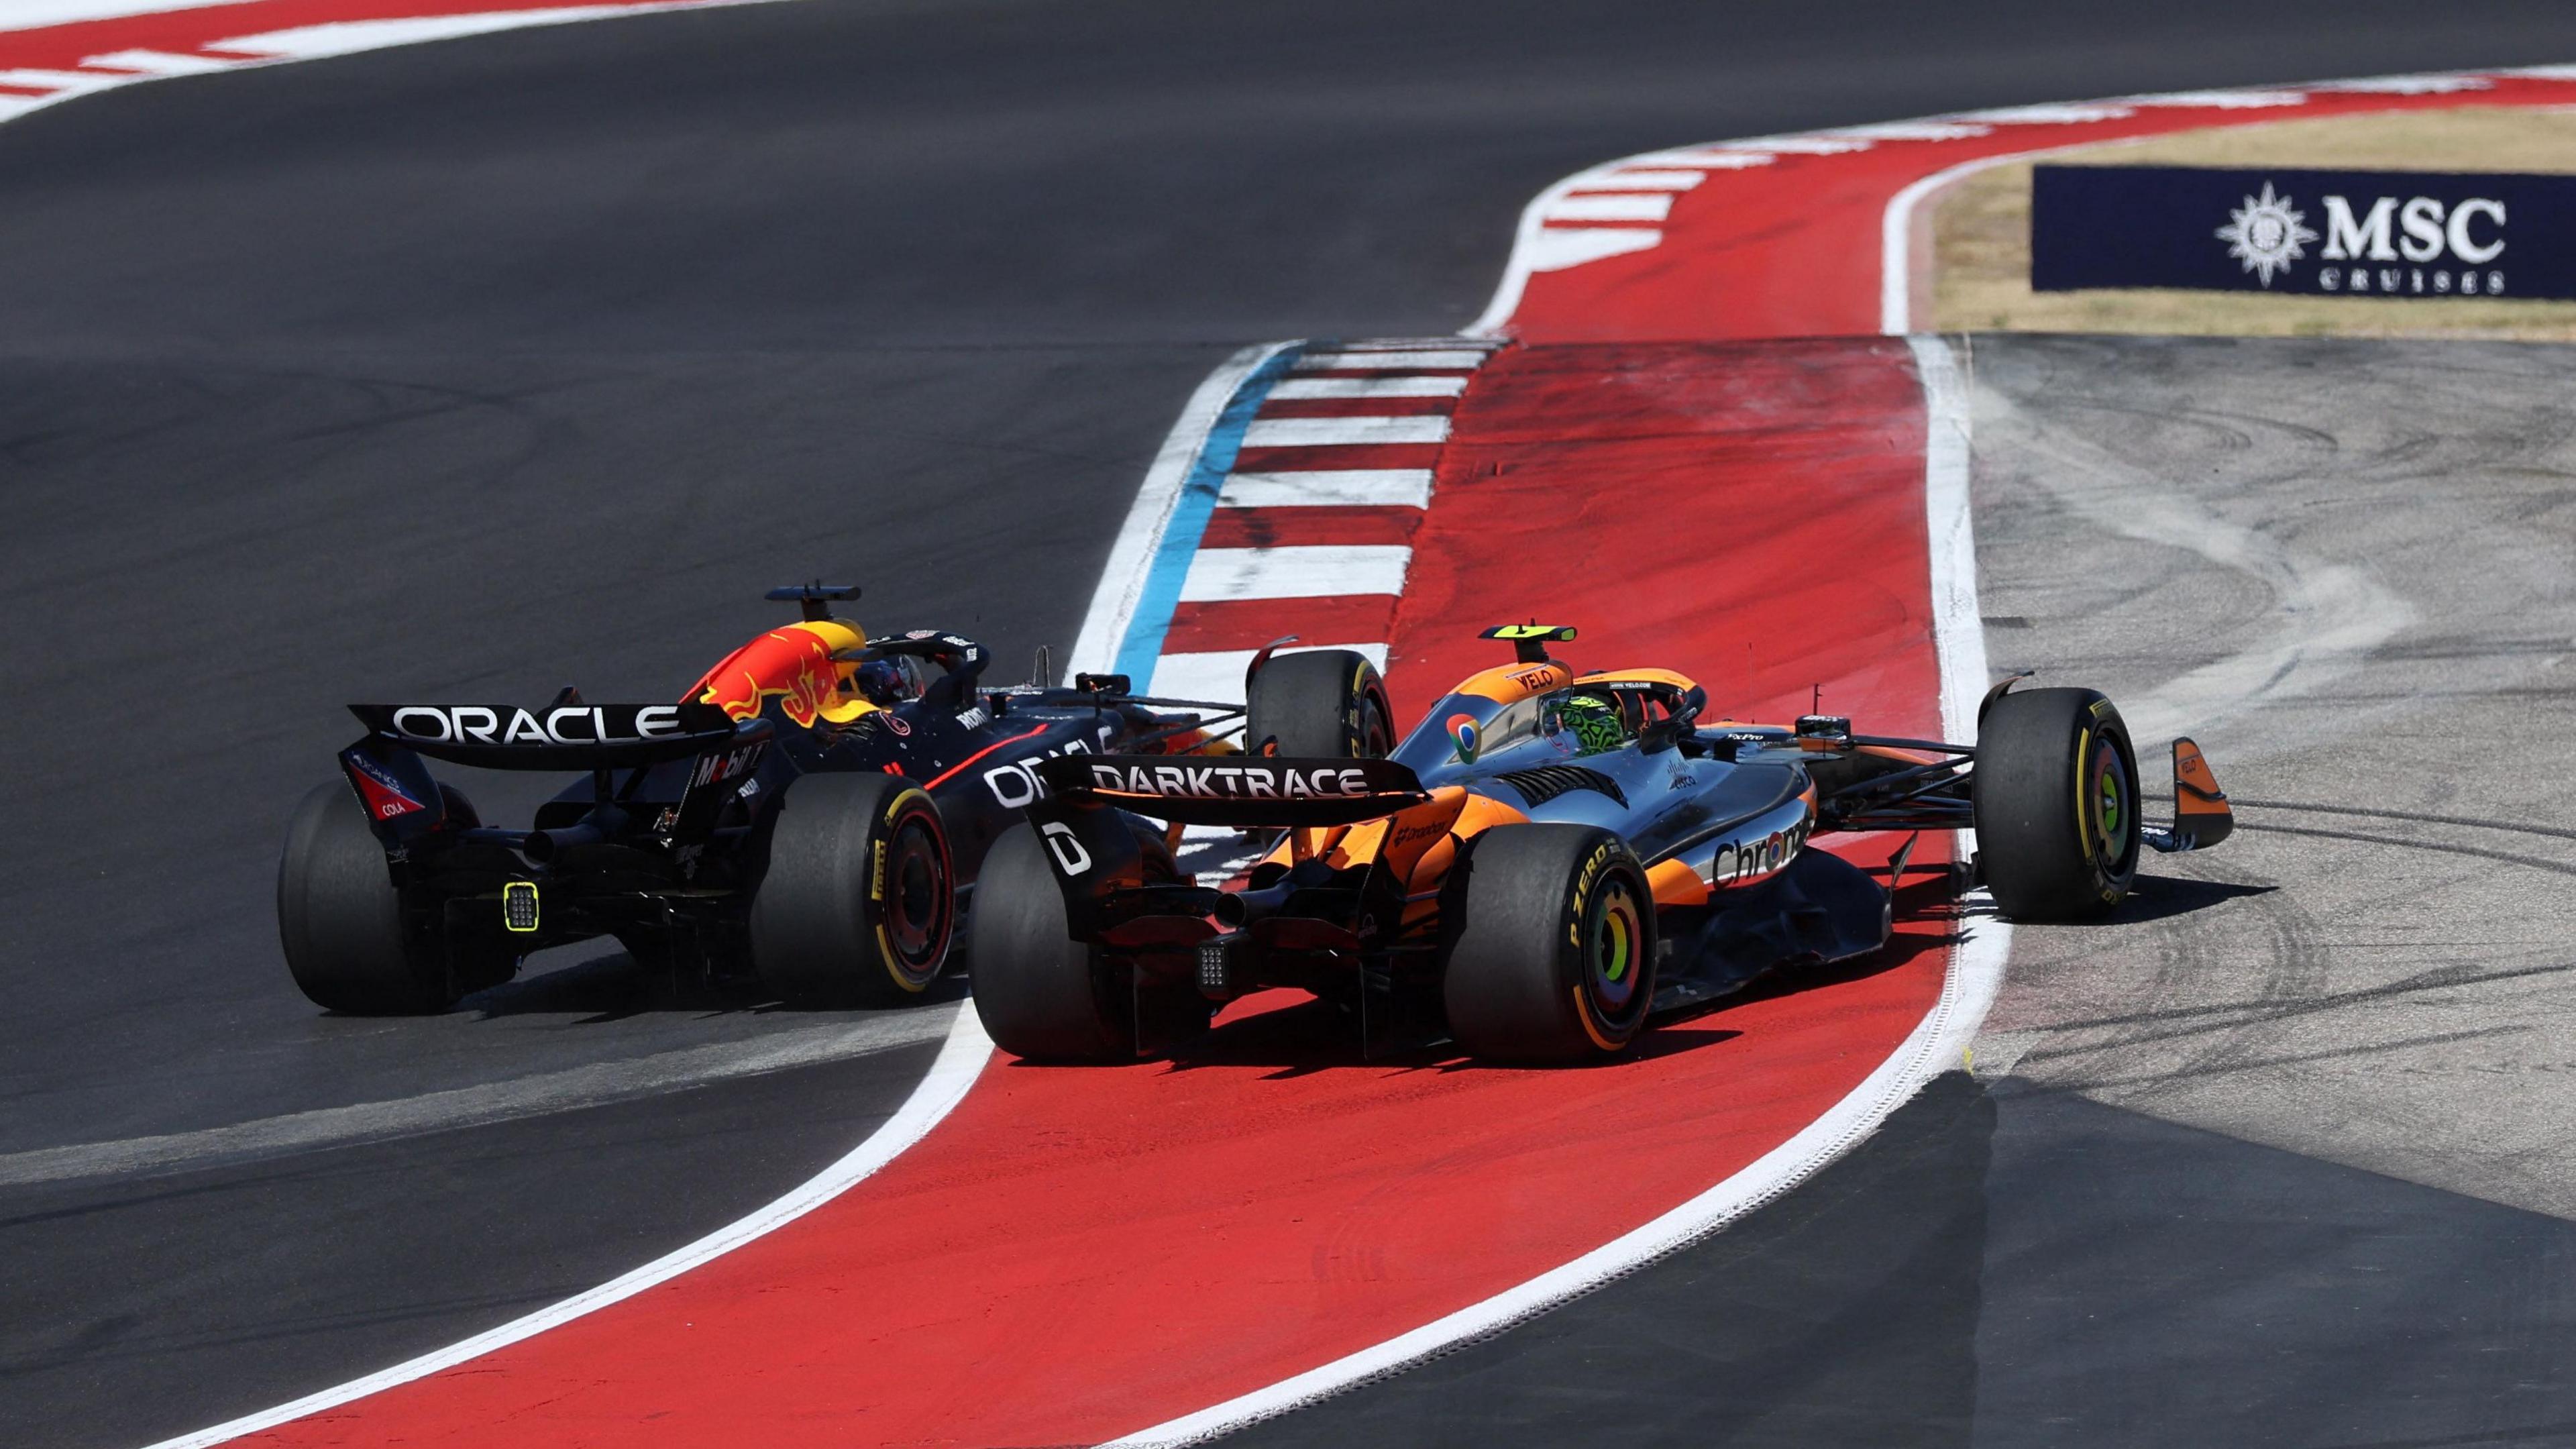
{"x": 2340, "y": 233}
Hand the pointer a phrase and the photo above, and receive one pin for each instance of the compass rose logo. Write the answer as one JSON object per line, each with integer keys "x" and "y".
{"x": 2265, "y": 234}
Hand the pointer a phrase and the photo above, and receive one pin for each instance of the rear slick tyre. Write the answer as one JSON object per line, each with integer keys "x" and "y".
{"x": 858, "y": 902}
{"x": 2055, "y": 792}
{"x": 342, "y": 923}
{"x": 1323, "y": 704}
{"x": 1041, "y": 994}
{"x": 1551, "y": 959}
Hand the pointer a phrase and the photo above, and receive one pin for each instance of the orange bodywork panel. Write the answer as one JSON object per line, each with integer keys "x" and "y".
{"x": 1514, "y": 682}
{"x": 2200, "y": 807}
{"x": 1675, "y": 884}
{"x": 1417, "y": 844}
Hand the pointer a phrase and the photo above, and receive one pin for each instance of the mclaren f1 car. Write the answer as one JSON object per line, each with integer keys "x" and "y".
{"x": 1543, "y": 864}
{"x": 808, "y": 814}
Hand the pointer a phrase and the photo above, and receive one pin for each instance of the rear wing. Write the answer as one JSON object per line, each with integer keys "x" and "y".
{"x": 1237, "y": 790}
{"x": 568, "y": 736}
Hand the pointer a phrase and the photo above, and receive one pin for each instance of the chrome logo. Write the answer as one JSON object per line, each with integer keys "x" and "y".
{"x": 1463, "y": 732}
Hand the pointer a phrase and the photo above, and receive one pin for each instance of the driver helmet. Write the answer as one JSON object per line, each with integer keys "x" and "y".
{"x": 1594, "y": 720}
{"x": 888, "y": 681}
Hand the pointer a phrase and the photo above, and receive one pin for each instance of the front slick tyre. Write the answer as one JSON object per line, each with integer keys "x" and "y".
{"x": 341, "y": 921}
{"x": 1552, "y": 953}
{"x": 2056, "y": 797}
{"x": 859, "y": 899}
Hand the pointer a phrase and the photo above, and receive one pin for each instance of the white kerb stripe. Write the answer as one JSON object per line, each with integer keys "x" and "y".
{"x": 1403, "y": 344}
{"x": 1611, "y": 206}
{"x": 1442, "y": 360}
{"x": 1217, "y": 676}
{"x": 2221, "y": 100}
{"x": 1329, "y": 488}
{"x": 1699, "y": 160}
{"x": 1297, "y": 387}
{"x": 1648, "y": 180}
{"x": 1945, "y": 130}
{"x": 1140, "y": 538}
{"x": 161, "y": 62}
{"x": 1329, "y": 432}
{"x": 1554, "y": 248}
{"x": 1296, "y": 572}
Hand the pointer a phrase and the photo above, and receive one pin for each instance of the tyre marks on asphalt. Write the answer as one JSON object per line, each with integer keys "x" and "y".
{"x": 2375, "y": 971}
{"x": 590, "y": 1085}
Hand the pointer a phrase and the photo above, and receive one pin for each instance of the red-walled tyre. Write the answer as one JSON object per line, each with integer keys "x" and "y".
{"x": 859, "y": 900}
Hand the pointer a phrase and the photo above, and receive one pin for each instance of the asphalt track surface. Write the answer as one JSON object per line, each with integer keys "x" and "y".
{"x": 472, "y": 368}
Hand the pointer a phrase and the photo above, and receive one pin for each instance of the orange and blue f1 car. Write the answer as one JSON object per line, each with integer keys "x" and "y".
{"x": 810, "y": 815}
{"x": 1544, "y": 864}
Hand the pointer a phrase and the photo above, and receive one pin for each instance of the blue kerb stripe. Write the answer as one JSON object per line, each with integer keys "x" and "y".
{"x": 1162, "y": 594}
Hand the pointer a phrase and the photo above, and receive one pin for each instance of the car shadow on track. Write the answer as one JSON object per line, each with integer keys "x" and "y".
{"x": 615, "y": 986}
{"x": 2161, "y": 897}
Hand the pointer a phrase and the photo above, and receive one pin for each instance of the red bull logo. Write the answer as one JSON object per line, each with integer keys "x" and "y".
{"x": 793, "y": 665}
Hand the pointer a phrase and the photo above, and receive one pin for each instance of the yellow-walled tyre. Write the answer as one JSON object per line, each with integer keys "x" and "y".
{"x": 2056, "y": 797}
{"x": 858, "y": 902}
{"x": 1551, "y": 956}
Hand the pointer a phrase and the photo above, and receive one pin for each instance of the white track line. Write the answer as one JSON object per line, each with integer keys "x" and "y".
{"x": 1958, "y": 629}
{"x": 961, "y": 1059}
{"x": 1131, "y": 557}
{"x": 1328, "y": 488}
{"x": 1303, "y": 571}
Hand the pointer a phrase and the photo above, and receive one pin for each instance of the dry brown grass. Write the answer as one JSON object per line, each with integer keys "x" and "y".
{"x": 1981, "y": 233}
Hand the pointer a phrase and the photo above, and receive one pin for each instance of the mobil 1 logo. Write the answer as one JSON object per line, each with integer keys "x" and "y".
{"x": 2321, "y": 233}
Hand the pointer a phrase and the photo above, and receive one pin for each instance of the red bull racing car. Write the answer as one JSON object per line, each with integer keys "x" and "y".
{"x": 1547, "y": 859}
{"x": 807, "y": 814}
